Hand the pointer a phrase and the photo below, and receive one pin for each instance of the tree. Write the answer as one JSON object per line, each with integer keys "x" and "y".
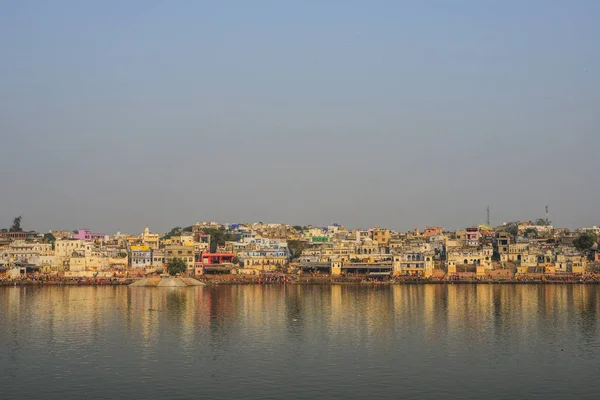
{"x": 531, "y": 233}
{"x": 176, "y": 266}
{"x": 218, "y": 237}
{"x": 16, "y": 226}
{"x": 174, "y": 232}
{"x": 49, "y": 238}
{"x": 513, "y": 228}
{"x": 585, "y": 241}
{"x": 296, "y": 247}
{"x": 542, "y": 222}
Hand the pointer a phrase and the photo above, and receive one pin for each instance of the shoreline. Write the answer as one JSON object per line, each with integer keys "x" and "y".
{"x": 308, "y": 282}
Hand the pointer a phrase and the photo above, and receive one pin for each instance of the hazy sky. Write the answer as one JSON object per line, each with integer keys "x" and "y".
{"x": 118, "y": 114}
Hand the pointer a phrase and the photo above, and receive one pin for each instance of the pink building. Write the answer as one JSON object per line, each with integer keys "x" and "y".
{"x": 473, "y": 236}
{"x": 87, "y": 235}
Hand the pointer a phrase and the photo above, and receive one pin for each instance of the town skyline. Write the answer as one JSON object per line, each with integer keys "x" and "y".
{"x": 164, "y": 228}
{"x": 189, "y": 224}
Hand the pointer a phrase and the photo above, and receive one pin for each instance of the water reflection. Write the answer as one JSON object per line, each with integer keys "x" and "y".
{"x": 272, "y": 333}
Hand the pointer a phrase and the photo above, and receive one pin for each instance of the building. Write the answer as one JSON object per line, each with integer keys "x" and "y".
{"x": 517, "y": 252}
{"x": 88, "y": 236}
{"x": 503, "y": 243}
{"x": 61, "y": 234}
{"x": 201, "y": 242}
{"x": 158, "y": 258}
{"x": 186, "y": 253}
{"x": 10, "y": 236}
{"x": 149, "y": 239}
{"x": 432, "y": 231}
{"x": 215, "y": 263}
{"x": 264, "y": 260}
{"x": 66, "y": 248}
{"x": 34, "y": 254}
{"x": 382, "y": 236}
{"x": 413, "y": 263}
{"x": 140, "y": 256}
{"x": 472, "y": 236}
{"x": 470, "y": 259}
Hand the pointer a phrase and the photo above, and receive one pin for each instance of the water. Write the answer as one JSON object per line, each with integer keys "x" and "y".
{"x": 301, "y": 342}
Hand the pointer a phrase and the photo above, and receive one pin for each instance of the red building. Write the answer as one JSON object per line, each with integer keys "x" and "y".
{"x": 215, "y": 263}
{"x": 217, "y": 258}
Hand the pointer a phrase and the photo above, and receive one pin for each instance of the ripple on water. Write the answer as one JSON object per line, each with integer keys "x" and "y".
{"x": 302, "y": 342}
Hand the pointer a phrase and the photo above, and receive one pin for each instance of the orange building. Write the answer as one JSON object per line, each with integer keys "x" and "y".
{"x": 433, "y": 230}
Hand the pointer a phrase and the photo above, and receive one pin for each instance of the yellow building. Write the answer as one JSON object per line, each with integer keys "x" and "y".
{"x": 186, "y": 253}
{"x": 382, "y": 236}
{"x": 413, "y": 263}
{"x": 478, "y": 259}
{"x": 265, "y": 263}
{"x": 149, "y": 239}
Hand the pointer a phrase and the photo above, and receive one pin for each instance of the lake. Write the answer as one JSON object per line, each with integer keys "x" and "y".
{"x": 301, "y": 341}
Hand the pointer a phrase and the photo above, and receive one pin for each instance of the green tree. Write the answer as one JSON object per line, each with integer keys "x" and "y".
{"x": 49, "y": 238}
{"x": 176, "y": 266}
{"x": 296, "y": 247}
{"x": 585, "y": 241}
{"x": 531, "y": 233}
{"x": 173, "y": 232}
{"x": 16, "y": 226}
{"x": 513, "y": 228}
{"x": 218, "y": 237}
{"x": 542, "y": 222}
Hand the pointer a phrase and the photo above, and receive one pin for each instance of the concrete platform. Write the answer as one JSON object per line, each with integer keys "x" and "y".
{"x": 167, "y": 282}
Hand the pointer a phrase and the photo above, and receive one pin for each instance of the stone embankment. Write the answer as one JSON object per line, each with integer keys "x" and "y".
{"x": 167, "y": 282}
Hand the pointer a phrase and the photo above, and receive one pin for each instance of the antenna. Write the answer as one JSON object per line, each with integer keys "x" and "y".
{"x": 547, "y": 220}
{"x": 488, "y": 216}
